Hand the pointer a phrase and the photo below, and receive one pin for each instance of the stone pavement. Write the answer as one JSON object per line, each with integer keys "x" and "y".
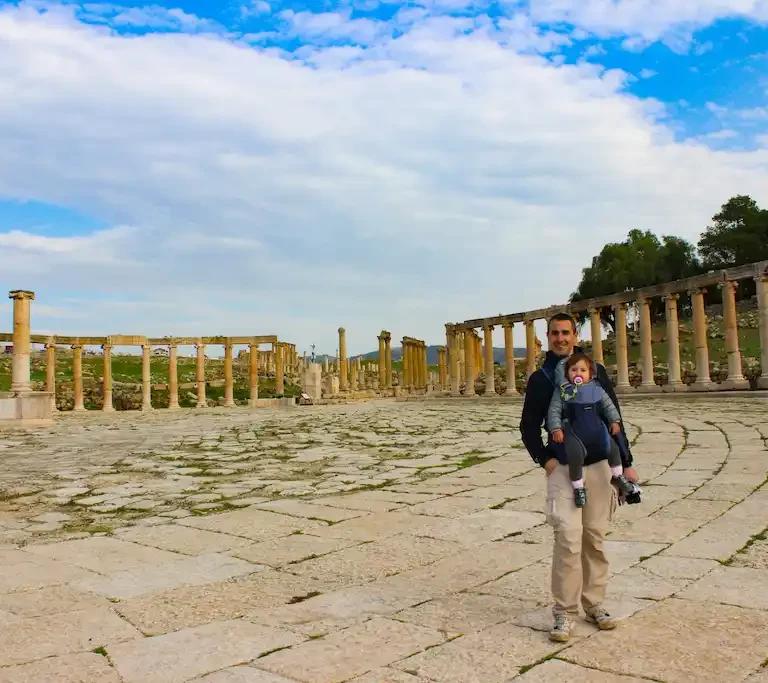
{"x": 379, "y": 543}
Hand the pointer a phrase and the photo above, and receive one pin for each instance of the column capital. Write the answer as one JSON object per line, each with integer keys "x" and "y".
{"x": 696, "y": 290}
{"x": 763, "y": 277}
{"x": 146, "y": 347}
{"x": 21, "y": 294}
{"x": 592, "y": 310}
{"x": 173, "y": 345}
{"x": 621, "y": 304}
{"x": 672, "y": 297}
{"x": 76, "y": 345}
{"x": 342, "y": 330}
{"x": 508, "y": 325}
{"x": 733, "y": 284}
{"x": 50, "y": 343}
{"x": 105, "y": 346}
{"x": 488, "y": 327}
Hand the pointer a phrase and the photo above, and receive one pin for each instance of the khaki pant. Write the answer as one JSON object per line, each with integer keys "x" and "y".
{"x": 579, "y": 564}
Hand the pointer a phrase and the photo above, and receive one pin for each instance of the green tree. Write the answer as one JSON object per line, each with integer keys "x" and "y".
{"x": 641, "y": 260}
{"x": 738, "y": 235}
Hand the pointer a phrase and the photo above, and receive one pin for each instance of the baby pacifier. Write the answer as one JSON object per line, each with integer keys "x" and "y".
{"x": 578, "y": 380}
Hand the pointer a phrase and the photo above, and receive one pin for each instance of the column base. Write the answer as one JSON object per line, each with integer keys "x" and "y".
{"x": 80, "y": 409}
{"x": 762, "y": 382}
{"x": 146, "y": 409}
{"x": 229, "y": 405}
{"x": 738, "y": 384}
{"x": 174, "y": 407}
{"x": 108, "y": 409}
{"x": 649, "y": 389}
{"x": 514, "y": 394}
{"x": 707, "y": 385}
{"x": 625, "y": 389}
{"x": 201, "y": 405}
{"x": 677, "y": 387}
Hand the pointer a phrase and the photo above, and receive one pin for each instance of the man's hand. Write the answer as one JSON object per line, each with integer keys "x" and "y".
{"x": 629, "y": 473}
{"x": 550, "y": 466}
{"x": 558, "y": 436}
{"x": 615, "y": 428}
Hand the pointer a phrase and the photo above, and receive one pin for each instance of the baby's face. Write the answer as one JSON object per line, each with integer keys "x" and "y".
{"x": 578, "y": 373}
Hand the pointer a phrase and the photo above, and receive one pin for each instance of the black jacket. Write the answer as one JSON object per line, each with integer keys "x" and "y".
{"x": 538, "y": 394}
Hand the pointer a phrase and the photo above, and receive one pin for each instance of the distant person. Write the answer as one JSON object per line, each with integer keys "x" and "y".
{"x": 580, "y": 416}
{"x": 579, "y": 564}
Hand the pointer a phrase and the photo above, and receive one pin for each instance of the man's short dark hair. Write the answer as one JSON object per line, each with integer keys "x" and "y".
{"x": 561, "y": 317}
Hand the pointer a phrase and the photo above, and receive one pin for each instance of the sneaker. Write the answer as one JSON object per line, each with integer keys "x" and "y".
{"x": 580, "y": 497}
{"x": 561, "y": 631}
{"x": 599, "y": 616}
{"x": 623, "y": 484}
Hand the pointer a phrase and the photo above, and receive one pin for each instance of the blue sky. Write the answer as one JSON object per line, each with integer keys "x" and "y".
{"x": 262, "y": 167}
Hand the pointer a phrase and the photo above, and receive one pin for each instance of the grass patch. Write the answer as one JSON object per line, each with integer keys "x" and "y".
{"x": 301, "y": 598}
{"x": 99, "y": 651}
{"x": 472, "y": 460}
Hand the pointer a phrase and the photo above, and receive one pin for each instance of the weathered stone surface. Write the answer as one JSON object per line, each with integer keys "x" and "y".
{"x": 103, "y": 555}
{"x": 186, "y": 571}
{"x": 183, "y": 539}
{"x": 389, "y": 675}
{"x": 291, "y": 549}
{"x": 49, "y": 600}
{"x": 555, "y": 671}
{"x": 258, "y": 525}
{"x": 484, "y": 526}
{"x": 372, "y": 527}
{"x": 242, "y": 674}
{"x": 351, "y": 652}
{"x": 35, "y": 638}
{"x": 730, "y": 643}
{"x": 298, "y": 508}
{"x": 196, "y": 605}
{"x": 85, "y": 667}
{"x": 733, "y": 586}
{"x": 177, "y": 657}
{"x": 22, "y": 571}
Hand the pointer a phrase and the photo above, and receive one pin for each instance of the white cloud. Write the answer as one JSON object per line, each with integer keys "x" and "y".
{"x": 269, "y": 195}
{"x": 148, "y": 16}
{"x": 648, "y": 73}
{"x": 645, "y": 21}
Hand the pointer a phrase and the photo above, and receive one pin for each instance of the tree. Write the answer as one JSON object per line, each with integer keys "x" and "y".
{"x": 739, "y": 235}
{"x": 642, "y": 260}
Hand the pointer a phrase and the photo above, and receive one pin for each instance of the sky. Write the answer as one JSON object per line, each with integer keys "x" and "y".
{"x": 254, "y": 167}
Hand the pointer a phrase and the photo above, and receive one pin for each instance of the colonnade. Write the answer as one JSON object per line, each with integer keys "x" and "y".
{"x": 415, "y": 375}
{"x": 463, "y": 347}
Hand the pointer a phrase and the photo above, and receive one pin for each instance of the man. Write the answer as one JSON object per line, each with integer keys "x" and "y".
{"x": 579, "y": 564}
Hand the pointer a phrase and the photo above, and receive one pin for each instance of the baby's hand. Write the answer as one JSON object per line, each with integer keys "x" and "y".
{"x": 557, "y": 436}
{"x": 615, "y": 428}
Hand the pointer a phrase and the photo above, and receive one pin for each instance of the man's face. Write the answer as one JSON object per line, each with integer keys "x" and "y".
{"x": 562, "y": 337}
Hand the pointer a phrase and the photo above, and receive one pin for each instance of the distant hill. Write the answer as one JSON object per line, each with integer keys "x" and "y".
{"x": 397, "y": 352}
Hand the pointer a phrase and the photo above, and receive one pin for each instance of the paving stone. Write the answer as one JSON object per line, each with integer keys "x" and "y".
{"x": 310, "y": 510}
{"x": 373, "y": 527}
{"x": 185, "y": 571}
{"x": 85, "y": 667}
{"x": 679, "y": 567}
{"x": 103, "y": 555}
{"x": 183, "y": 539}
{"x": 166, "y": 658}
{"x": 455, "y": 506}
{"x": 351, "y": 652}
{"x": 731, "y": 585}
{"x": 375, "y": 560}
{"x": 555, "y": 670}
{"x": 461, "y": 613}
{"x": 195, "y": 605}
{"x": 49, "y": 600}
{"x": 243, "y": 674}
{"x": 730, "y": 643}
{"x": 26, "y": 640}
{"x": 492, "y": 655}
{"x": 257, "y": 525}
{"x": 484, "y": 526}
{"x": 389, "y": 675}
{"x": 23, "y": 571}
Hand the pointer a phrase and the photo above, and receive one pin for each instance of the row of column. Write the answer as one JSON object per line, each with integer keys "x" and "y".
{"x": 463, "y": 348}
{"x": 278, "y": 351}
{"x": 414, "y": 364}
{"x": 385, "y": 360}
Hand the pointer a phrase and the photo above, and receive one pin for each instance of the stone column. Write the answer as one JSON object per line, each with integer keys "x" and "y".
{"x": 622, "y": 356}
{"x": 50, "y": 370}
{"x": 443, "y": 367}
{"x": 703, "y": 381}
{"x": 762, "y": 305}
{"x": 229, "y": 389}
{"x": 77, "y": 371}
{"x": 530, "y": 348}
{"x": 253, "y": 374}
{"x": 675, "y": 382}
{"x": 424, "y": 366}
{"x": 478, "y": 353}
{"x": 648, "y": 384}
{"x": 453, "y": 358}
{"x": 735, "y": 378}
{"x": 469, "y": 364}
{"x": 107, "y": 381}
{"x": 277, "y": 352}
{"x": 597, "y": 339}
{"x": 200, "y": 374}
{"x": 352, "y": 374}
{"x": 388, "y": 358}
{"x": 146, "y": 379}
{"x": 382, "y": 362}
{"x": 509, "y": 357}
{"x": 20, "y": 375}
{"x": 490, "y": 380}
{"x": 343, "y": 360}
{"x": 173, "y": 376}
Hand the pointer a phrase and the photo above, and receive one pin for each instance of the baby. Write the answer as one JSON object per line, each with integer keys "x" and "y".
{"x": 577, "y": 417}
